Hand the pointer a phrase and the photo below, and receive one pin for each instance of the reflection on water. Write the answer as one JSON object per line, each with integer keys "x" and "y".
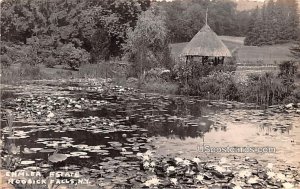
{"x": 161, "y": 116}
{"x": 265, "y": 131}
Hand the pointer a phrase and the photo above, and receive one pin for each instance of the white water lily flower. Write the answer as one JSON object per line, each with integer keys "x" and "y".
{"x": 280, "y": 176}
{"x": 196, "y": 160}
{"x": 146, "y": 164}
{"x": 146, "y": 158}
{"x": 253, "y": 180}
{"x": 237, "y": 187}
{"x": 245, "y": 173}
{"x": 270, "y": 174}
{"x": 270, "y": 166}
{"x": 186, "y": 162}
{"x": 220, "y": 169}
{"x": 287, "y": 185}
{"x": 152, "y": 164}
{"x": 77, "y": 106}
{"x": 178, "y": 160}
{"x": 171, "y": 168}
{"x": 153, "y": 181}
{"x": 199, "y": 177}
{"x": 174, "y": 181}
{"x": 148, "y": 153}
{"x": 223, "y": 160}
{"x": 50, "y": 115}
{"x": 151, "y": 169}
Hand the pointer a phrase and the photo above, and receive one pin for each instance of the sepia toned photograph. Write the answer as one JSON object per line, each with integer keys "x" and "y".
{"x": 132, "y": 94}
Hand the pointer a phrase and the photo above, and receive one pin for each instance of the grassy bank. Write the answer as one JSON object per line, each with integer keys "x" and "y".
{"x": 263, "y": 89}
{"x": 16, "y": 73}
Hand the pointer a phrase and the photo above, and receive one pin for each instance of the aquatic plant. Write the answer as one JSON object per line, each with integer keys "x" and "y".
{"x": 152, "y": 182}
{"x": 55, "y": 158}
{"x": 10, "y": 160}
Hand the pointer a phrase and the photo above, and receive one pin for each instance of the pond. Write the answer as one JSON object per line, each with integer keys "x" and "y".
{"x": 101, "y": 128}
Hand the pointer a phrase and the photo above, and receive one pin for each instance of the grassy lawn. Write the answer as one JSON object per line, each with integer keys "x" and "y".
{"x": 264, "y": 55}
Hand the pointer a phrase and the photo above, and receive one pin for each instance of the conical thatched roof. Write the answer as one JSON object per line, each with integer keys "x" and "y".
{"x": 206, "y": 43}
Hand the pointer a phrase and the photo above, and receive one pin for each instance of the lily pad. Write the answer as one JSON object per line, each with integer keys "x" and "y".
{"x": 47, "y": 150}
{"x": 57, "y": 158}
{"x": 29, "y": 162}
{"x": 84, "y": 157}
{"x": 78, "y": 154}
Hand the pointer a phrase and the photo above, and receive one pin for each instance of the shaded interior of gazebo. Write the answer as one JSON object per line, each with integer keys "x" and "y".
{"x": 211, "y": 60}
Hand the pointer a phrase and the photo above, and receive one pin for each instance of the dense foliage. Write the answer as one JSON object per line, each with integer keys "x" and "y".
{"x": 275, "y": 22}
{"x": 264, "y": 89}
{"x": 98, "y": 27}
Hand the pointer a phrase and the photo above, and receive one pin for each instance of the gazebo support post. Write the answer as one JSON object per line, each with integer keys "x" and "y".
{"x": 222, "y": 59}
{"x": 186, "y": 67}
{"x": 216, "y": 61}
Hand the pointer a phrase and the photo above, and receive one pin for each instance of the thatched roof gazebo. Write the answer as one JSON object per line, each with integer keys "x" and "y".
{"x": 206, "y": 44}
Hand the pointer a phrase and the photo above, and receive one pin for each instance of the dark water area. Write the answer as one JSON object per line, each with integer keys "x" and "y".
{"x": 6, "y": 94}
{"x": 51, "y": 141}
{"x": 161, "y": 116}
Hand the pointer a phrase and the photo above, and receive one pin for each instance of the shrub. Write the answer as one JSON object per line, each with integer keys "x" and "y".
{"x": 266, "y": 89}
{"x": 26, "y": 54}
{"x": 287, "y": 69}
{"x": 218, "y": 85}
{"x": 73, "y": 57}
{"x": 50, "y": 62}
{"x": 197, "y": 70}
{"x": 156, "y": 73}
{"x": 296, "y": 95}
{"x": 5, "y": 60}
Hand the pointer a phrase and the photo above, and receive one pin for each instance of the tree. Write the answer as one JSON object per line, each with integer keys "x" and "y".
{"x": 277, "y": 23}
{"x": 146, "y": 42}
{"x": 254, "y": 27}
{"x": 79, "y": 22}
{"x": 73, "y": 57}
